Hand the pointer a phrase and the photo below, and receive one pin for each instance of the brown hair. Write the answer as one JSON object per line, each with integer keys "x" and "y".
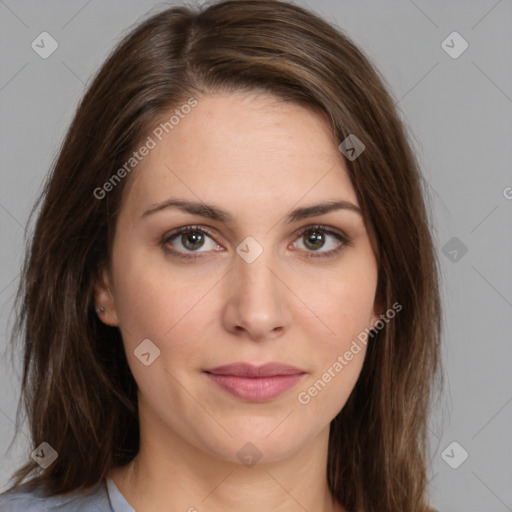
{"x": 77, "y": 389}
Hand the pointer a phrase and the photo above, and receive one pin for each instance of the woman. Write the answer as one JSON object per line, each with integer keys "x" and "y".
{"x": 230, "y": 300}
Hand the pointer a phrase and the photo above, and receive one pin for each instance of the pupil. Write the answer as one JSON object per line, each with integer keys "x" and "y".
{"x": 315, "y": 238}
{"x": 192, "y": 240}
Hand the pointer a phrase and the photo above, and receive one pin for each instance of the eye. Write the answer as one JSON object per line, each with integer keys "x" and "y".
{"x": 187, "y": 240}
{"x": 314, "y": 238}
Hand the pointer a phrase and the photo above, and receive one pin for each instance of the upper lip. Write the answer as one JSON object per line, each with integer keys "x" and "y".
{"x": 251, "y": 370}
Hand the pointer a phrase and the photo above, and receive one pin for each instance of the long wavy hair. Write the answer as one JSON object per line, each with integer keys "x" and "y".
{"x": 77, "y": 390}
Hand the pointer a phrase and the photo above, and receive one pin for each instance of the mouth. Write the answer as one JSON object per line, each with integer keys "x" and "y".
{"x": 255, "y": 383}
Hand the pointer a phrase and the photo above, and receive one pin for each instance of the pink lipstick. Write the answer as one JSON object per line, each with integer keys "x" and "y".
{"x": 255, "y": 383}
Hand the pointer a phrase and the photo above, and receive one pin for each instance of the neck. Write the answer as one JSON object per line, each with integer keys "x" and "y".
{"x": 176, "y": 475}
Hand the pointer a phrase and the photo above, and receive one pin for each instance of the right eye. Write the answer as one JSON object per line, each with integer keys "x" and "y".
{"x": 185, "y": 241}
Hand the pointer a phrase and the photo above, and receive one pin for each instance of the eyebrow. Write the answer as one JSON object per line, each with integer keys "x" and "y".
{"x": 215, "y": 213}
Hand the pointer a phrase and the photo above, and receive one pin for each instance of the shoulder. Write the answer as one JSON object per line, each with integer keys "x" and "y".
{"x": 33, "y": 498}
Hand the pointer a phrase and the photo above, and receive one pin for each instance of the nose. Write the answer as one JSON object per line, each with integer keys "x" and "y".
{"x": 257, "y": 304}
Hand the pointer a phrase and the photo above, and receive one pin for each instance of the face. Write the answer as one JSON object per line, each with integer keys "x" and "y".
{"x": 243, "y": 273}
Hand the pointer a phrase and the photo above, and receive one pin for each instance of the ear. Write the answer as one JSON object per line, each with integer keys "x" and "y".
{"x": 104, "y": 299}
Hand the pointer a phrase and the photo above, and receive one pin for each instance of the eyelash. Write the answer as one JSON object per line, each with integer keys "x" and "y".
{"x": 345, "y": 242}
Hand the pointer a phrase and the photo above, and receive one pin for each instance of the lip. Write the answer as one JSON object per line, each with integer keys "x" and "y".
{"x": 255, "y": 383}
{"x": 252, "y": 370}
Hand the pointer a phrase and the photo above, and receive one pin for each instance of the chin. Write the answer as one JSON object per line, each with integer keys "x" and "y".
{"x": 269, "y": 442}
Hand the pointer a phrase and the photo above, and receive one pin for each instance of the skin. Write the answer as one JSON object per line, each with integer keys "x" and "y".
{"x": 256, "y": 158}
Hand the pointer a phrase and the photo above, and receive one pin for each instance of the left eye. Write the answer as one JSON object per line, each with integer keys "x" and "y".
{"x": 318, "y": 236}
{"x": 193, "y": 238}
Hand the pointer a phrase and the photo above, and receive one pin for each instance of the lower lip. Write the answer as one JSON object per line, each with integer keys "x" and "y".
{"x": 256, "y": 389}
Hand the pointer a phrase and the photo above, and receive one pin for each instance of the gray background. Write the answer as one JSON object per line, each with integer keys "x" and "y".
{"x": 459, "y": 113}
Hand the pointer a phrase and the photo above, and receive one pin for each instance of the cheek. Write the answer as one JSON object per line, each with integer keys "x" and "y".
{"x": 340, "y": 350}
{"x": 162, "y": 306}
{"x": 343, "y": 303}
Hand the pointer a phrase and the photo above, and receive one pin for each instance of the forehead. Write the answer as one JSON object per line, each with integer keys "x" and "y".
{"x": 242, "y": 149}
